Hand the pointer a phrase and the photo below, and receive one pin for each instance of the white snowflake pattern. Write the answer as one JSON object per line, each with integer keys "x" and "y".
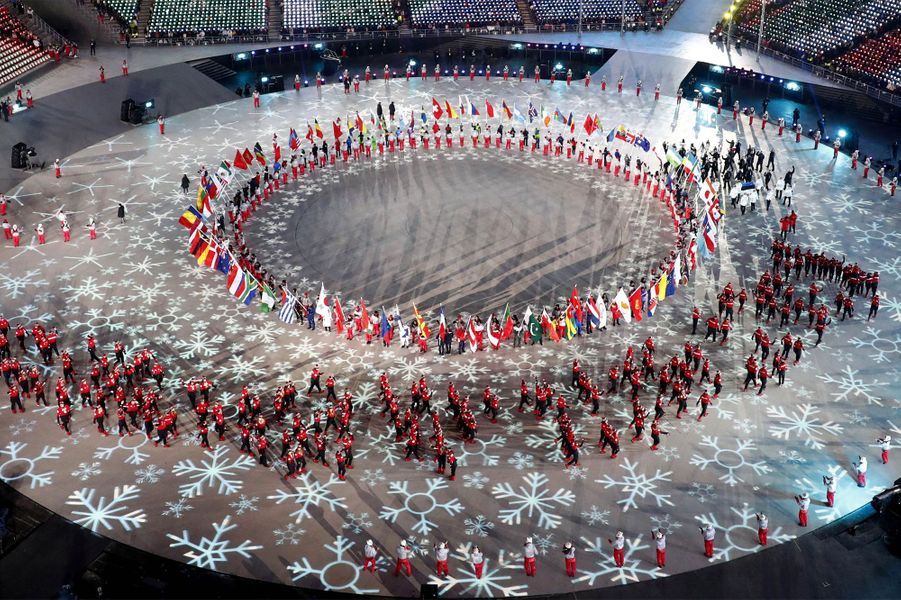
{"x": 215, "y": 472}
{"x": 149, "y": 474}
{"x": 208, "y": 553}
{"x": 357, "y": 523}
{"x": 638, "y": 485}
{"x": 86, "y": 470}
{"x": 290, "y": 534}
{"x": 704, "y": 492}
{"x": 103, "y": 513}
{"x": 602, "y": 565}
{"x": 372, "y": 477}
{"x": 199, "y": 344}
{"x": 881, "y": 349}
{"x": 128, "y": 446}
{"x": 532, "y": 500}
{"x": 595, "y": 515}
{"x": 732, "y": 460}
{"x": 19, "y": 283}
{"x": 177, "y": 508}
{"x": 310, "y": 494}
{"x": 849, "y": 386}
{"x": 802, "y": 422}
{"x": 420, "y": 504}
{"x": 468, "y": 370}
{"x": 478, "y": 525}
{"x": 521, "y": 461}
{"x": 410, "y": 369}
{"x": 342, "y": 574}
{"x": 475, "y": 480}
{"x": 16, "y": 466}
{"x": 495, "y": 581}
{"x": 479, "y": 451}
{"x": 245, "y": 504}
{"x": 741, "y": 536}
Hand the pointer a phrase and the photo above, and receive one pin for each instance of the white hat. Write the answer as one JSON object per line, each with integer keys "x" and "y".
{"x": 804, "y": 495}
{"x": 528, "y": 540}
{"x": 443, "y": 544}
{"x": 403, "y": 542}
{"x": 619, "y": 534}
{"x": 888, "y": 438}
{"x": 567, "y": 545}
{"x": 368, "y": 542}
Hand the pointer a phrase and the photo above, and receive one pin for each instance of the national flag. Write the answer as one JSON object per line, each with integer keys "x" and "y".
{"x": 693, "y": 254}
{"x": 472, "y": 335}
{"x": 451, "y": 113}
{"x": 237, "y": 282}
{"x": 597, "y": 122}
{"x": 473, "y": 111}
{"x": 223, "y": 265}
{"x": 209, "y": 257}
{"x": 533, "y": 112}
{"x": 602, "y": 311}
{"x": 339, "y": 316}
{"x": 267, "y": 298}
{"x": 191, "y": 218}
{"x": 569, "y": 121}
{"x": 277, "y": 155}
{"x": 549, "y": 326}
{"x": 258, "y": 153}
{"x": 652, "y": 298}
{"x": 489, "y": 109}
{"x": 364, "y": 316}
{"x": 293, "y": 140}
{"x": 642, "y": 142}
{"x": 336, "y": 128}
{"x": 622, "y": 303}
{"x": 224, "y": 172}
{"x": 558, "y": 116}
{"x": 635, "y": 303}
{"x": 673, "y": 158}
{"x": 422, "y": 116}
{"x": 309, "y": 135}
{"x": 424, "y": 330}
{"x": 437, "y": 111}
{"x": 385, "y": 326}
{"x": 532, "y": 323}
{"x": 361, "y": 125}
{"x": 507, "y": 323}
{"x": 506, "y": 109}
{"x": 676, "y": 276}
{"x": 286, "y": 313}
{"x": 248, "y": 157}
{"x": 569, "y": 320}
{"x": 661, "y": 289}
{"x": 239, "y": 161}
{"x": 214, "y": 185}
{"x": 594, "y": 312}
{"x": 442, "y": 324}
{"x": 518, "y": 115}
{"x": 203, "y": 202}
{"x": 317, "y": 129}
{"x": 321, "y": 306}
{"x": 493, "y": 340}
{"x": 589, "y": 125}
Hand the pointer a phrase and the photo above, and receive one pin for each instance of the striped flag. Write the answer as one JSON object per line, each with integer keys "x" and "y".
{"x": 286, "y": 313}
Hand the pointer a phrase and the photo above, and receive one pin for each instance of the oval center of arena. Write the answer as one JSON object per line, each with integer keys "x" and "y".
{"x": 469, "y": 229}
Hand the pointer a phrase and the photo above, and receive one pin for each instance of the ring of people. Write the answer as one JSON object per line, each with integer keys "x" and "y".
{"x": 454, "y": 331}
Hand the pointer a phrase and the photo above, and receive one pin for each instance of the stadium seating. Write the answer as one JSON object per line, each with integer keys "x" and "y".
{"x": 463, "y": 12}
{"x": 327, "y": 14}
{"x": 20, "y": 50}
{"x": 189, "y": 16}
{"x": 815, "y": 28}
{"x": 567, "y": 11}
{"x": 876, "y": 61}
{"x": 123, "y": 11}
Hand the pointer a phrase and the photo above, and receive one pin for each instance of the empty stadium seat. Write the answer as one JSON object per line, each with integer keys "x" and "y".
{"x": 19, "y": 49}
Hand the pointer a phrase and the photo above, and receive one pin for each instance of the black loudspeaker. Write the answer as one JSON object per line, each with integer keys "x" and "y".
{"x": 19, "y": 156}
{"x": 136, "y": 115}
{"x": 127, "y": 105}
{"x": 428, "y": 591}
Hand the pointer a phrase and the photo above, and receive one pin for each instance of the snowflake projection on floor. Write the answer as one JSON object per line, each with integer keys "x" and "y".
{"x": 880, "y": 349}
{"x": 846, "y": 497}
{"x": 849, "y": 387}
{"x": 199, "y": 344}
{"x": 289, "y": 534}
{"x": 372, "y": 477}
{"x": 704, "y": 492}
{"x": 176, "y": 508}
{"x": 479, "y": 453}
{"x": 102, "y": 513}
{"x": 495, "y": 582}
{"x": 739, "y": 537}
{"x": 665, "y": 522}
{"x": 802, "y": 422}
{"x": 19, "y": 283}
{"x": 469, "y": 370}
{"x": 875, "y": 233}
{"x": 420, "y": 504}
{"x": 521, "y": 461}
{"x": 95, "y": 321}
{"x": 356, "y": 523}
{"x": 15, "y": 466}
{"x": 245, "y": 504}
{"x": 243, "y": 369}
{"x": 149, "y": 474}
{"x": 215, "y": 471}
{"x": 532, "y": 500}
{"x": 638, "y": 485}
{"x": 86, "y": 470}
{"x": 791, "y": 457}
{"x": 309, "y": 493}
{"x": 732, "y": 460}
{"x": 342, "y": 574}
{"x": 22, "y": 426}
{"x": 410, "y": 369}
{"x": 478, "y": 525}
{"x": 668, "y": 453}
{"x": 602, "y": 565}
{"x": 475, "y": 480}
{"x": 575, "y": 473}
{"x": 594, "y": 516}
{"x": 209, "y": 552}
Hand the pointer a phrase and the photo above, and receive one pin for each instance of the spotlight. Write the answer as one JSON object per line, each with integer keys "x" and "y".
{"x": 517, "y": 46}
{"x": 592, "y": 51}
{"x": 317, "y": 46}
{"x": 253, "y": 52}
{"x": 264, "y": 79}
{"x": 267, "y": 50}
{"x": 306, "y": 83}
{"x": 842, "y": 133}
{"x": 241, "y": 56}
{"x": 558, "y": 66}
{"x": 149, "y": 104}
{"x": 716, "y": 69}
{"x": 412, "y": 63}
{"x": 706, "y": 89}
{"x": 792, "y": 86}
